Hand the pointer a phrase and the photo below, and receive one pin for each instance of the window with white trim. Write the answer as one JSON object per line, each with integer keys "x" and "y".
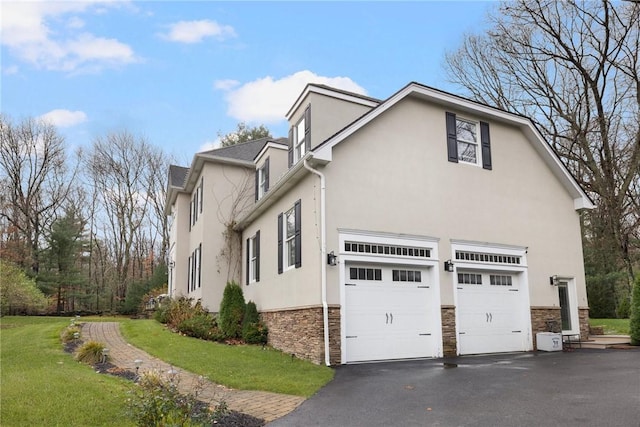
{"x": 469, "y": 279}
{"x": 290, "y": 238}
{"x": 253, "y": 258}
{"x": 298, "y": 141}
{"x": 467, "y": 136}
{"x": 262, "y": 180}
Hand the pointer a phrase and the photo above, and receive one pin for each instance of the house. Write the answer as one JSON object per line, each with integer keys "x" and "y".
{"x": 422, "y": 225}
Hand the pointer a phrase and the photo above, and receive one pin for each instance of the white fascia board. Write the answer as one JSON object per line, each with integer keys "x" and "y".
{"x": 331, "y": 93}
{"x": 581, "y": 199}
{"x": 268, "y": 145}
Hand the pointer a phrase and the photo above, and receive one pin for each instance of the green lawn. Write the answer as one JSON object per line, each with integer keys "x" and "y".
{"x": 612, "y": 326}
{"x": 43, "y": 386}
{"x": 241, "y": 367}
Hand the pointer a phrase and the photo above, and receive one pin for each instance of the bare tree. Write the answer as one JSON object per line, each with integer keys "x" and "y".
{"x": 573, "y": 67}
{"x": 117, "y": 166}
{"x": 37, "y": 180}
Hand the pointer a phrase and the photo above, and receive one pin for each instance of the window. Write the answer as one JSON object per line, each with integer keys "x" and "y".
{"x": 463, "y": 143}
{"x": 196, "y": 205}
{"x": 469, "y": 279}
{"x": 381, "y": 249}
{"x": 195, "y": 269}
{"x": 467, "y": 141}
{"x": 487, "y": 257}
{"x": 300, "y": 138}
{"x": 500, "y": 280}
{"x": 262, "y": 180}
{"x": 365, "y": 273}
{"x": 406, "y": 276}
{"x": 253, "y": 258}
{"x": 289, "y": 238}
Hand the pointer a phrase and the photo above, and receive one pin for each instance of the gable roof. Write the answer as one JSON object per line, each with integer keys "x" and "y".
{"x": 243, "y": 151}
{"x": 177, "y": 175}
{"x": 334, "y": 93}
{"x": 182, "y": 180}
{"x": 323, "y": 152}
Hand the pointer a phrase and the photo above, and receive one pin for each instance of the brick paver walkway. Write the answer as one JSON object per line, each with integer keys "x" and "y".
{"x": 264, "y": 405}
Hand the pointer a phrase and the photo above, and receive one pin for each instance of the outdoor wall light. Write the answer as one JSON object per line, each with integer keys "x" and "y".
{"x": 332, "y": 259}
{"x": 553, "y": 280}
{"x": 172, "y": 264}
{"x": 448, "y": 266}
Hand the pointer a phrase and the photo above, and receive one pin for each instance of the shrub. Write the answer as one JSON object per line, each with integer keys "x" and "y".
{"x": 18, "y": 293}
{"x": 199, "y": 326}
{"x": 622, "y": 312}
{"x": 232, "y": 310}
{"x": 90, "y": 352}
{"x": 157, "y": 402}
{"x": 253, "y": 331}
{"x": 634, "y": 323}
{"x": 69, "y": 332}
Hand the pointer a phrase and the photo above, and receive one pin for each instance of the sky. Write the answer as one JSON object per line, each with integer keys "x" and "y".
{"x": 179, "y": 73}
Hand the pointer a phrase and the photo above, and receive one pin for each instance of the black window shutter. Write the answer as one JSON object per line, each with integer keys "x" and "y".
{"x": 266, "y": 174}
{"x": 486, "y": 145}
{"x": 290, "y": 146}
{"x": 452, "y": 140}
{"x": 246, "y": 281}
{"x": 257, "y": 184}
{"x": 257, "y": 256}
{"x": 280, "y": 244}
{"x": 307, "y": 129}
{"x": 200, "y": 265}
{"x": 298, "y": 239}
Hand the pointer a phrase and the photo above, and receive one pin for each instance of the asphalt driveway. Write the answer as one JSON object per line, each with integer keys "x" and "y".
{"x": 580, "y": 388}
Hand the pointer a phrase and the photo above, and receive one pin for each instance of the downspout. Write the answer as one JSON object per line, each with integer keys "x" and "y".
{"x": 323, "y": 261}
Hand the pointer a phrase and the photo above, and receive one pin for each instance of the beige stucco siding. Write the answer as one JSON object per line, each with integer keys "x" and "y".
{"x": 393, "y": 176}
{"x": 179, "y": 251}
{"x": 227, "y": 192}
{"x": 333, "y": 114}
{"x": 296, "y": 287}
{"x": 278, "y": 163}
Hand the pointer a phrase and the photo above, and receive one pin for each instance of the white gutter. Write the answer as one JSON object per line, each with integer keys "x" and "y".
{"x": 323, "y": 261}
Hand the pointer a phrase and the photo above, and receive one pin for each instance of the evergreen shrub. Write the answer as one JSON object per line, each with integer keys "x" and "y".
{"x": 232, "y": 309}
{"x": 634, "y": 323}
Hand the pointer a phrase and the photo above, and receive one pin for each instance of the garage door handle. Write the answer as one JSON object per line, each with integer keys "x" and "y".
{"x": 490, "y": 317}
{"x": 351, "y": 336}
{"x": 391, "y": 314}
{"x": 387, "y": 314}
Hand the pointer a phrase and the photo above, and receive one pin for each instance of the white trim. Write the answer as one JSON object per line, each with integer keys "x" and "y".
{"x": 338, "y": 94}
{"x": 270, "y": 144}
{"x": 324, "y": 152}
{"x": 573, "y": 305}
{"x": 431, "y": 263}
{"x": 521, "y": 270}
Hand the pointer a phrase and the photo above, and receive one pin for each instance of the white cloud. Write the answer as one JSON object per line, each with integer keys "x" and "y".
{"x": 29, "y": 34}
{"x": 210, "y": 145}
{"x": 64, "y": 118}
{"x": 196, "y": 31}
{"x": 12, "y": 69}
{"x": 266, "y": 100}
{"x": 225, "y": 84}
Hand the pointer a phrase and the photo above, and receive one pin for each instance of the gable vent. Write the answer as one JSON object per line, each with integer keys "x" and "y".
{"x": 376, "y": 249}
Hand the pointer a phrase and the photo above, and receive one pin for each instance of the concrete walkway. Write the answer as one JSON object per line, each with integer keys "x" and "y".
{"x": 264, "y": 405}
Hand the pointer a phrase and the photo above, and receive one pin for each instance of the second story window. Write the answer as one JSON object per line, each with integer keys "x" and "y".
{"x": 289, "y": 238}
{"x": 300, "y": 138}
{"x": 467, "y": 138}
{"x": 262, "y": 179}
{"x": 468, "y": 141}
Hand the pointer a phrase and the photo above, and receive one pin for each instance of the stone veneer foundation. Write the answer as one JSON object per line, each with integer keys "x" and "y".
{"x": 300, "y": 332}
{"x": 543, "y": 317}
{"x": 449, "y": 341}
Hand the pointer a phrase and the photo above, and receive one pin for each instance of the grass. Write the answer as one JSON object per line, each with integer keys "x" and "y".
{"x": 612, "y": 326}
{"x": 242, "y": 367}
{"x": 43, "y": 386}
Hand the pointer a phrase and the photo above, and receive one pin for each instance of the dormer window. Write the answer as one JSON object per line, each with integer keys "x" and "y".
{"x": 300, "y": 138}
{"x": 262, "y": 180}
{"x": 298, "y": 141}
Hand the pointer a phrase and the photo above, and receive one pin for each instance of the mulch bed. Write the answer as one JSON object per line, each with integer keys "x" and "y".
{"x": 231, "y": 419}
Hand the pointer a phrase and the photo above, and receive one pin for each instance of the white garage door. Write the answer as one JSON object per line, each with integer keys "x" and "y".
{"x": 389, "y": 313}
{"x": 490, "y": 313}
